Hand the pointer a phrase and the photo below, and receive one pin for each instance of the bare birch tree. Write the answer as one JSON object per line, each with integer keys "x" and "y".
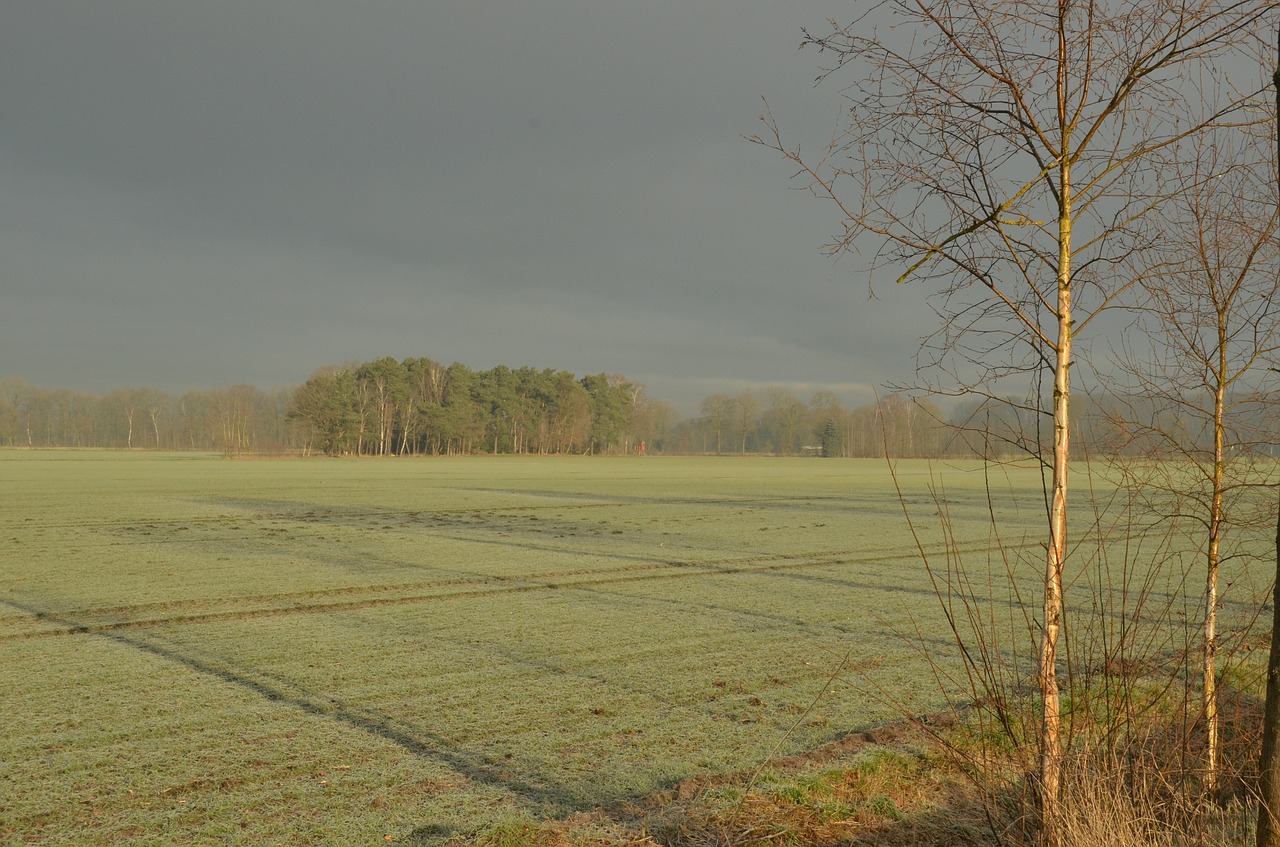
{"x": 1268, "y": 832}
{"x": 1207, "y": 331}
{"x": 1011, "y": 154}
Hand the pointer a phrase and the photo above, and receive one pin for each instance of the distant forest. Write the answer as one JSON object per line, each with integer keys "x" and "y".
{"x": 420, "y": 407}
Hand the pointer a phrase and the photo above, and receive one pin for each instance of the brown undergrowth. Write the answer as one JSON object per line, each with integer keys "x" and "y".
{"x": 927, "y": 782}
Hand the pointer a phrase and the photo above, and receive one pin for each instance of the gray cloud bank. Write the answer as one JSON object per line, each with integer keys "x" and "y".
{"x": 201, "y": 194}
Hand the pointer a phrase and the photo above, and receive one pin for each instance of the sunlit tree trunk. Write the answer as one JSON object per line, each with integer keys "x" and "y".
{"x": 1211, "y": 578}
{"x": 1269, "y": 764}
{"x": 1051, "y": 734}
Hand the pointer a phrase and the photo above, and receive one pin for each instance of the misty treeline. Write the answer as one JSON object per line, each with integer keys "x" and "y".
{"x": 382, "y": 407}
{"x": 1109, "y": 425}
{"x": 421, "y": 407}
{"x": 237, "y": 419}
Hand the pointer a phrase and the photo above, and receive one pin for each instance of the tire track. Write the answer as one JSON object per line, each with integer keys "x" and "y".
{"x": 75, "y": 623}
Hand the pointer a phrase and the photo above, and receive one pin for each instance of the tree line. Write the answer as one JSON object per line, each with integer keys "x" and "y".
{"x": 420, "y": 407}
{"x": 382, "y": 407}
{"x": 235, "y": 419}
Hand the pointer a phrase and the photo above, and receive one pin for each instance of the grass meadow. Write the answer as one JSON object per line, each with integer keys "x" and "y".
{"x": 202, "y": 651}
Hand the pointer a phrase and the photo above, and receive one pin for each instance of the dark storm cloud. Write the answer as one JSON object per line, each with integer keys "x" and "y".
{"x": 199, "y": 194}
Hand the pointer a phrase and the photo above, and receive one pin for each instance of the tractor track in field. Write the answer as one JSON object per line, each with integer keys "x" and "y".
{"x": 80, "y": 621}
{"x": 314, "y": 514}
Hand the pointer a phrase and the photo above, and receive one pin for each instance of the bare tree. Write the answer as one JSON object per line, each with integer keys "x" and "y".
{"x": 1268, "y": 833}
{"x": 155, "y": 408}
{"x": 234, "y": 412}
{"x": 786, "y": 414}
{"x": 718, "y": 409}
{"x": 1011, "y": 154}
{"x": 746, "y": 408}
{"x": 130, "y": 401}
{"x": 651, "y": 419}
{"x": 1208, "y": 328}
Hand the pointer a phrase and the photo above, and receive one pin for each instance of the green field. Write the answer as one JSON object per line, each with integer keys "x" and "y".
{"x": 202, "y": 651}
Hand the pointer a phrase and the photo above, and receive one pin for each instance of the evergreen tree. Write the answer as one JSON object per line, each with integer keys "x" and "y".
{"x": 830, "y": 439}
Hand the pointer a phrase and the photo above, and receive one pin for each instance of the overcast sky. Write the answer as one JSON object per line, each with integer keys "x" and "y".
{"x": 201, "y": 194}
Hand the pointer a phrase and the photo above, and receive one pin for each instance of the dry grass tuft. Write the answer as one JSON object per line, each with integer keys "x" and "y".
{"x": 1107, "y": 802}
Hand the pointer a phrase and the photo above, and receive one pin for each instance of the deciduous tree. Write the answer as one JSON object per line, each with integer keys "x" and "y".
{"x": 1010, "y": 154}
{"x": 718, "y": 411}
{"x": 1208, "y": 330}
